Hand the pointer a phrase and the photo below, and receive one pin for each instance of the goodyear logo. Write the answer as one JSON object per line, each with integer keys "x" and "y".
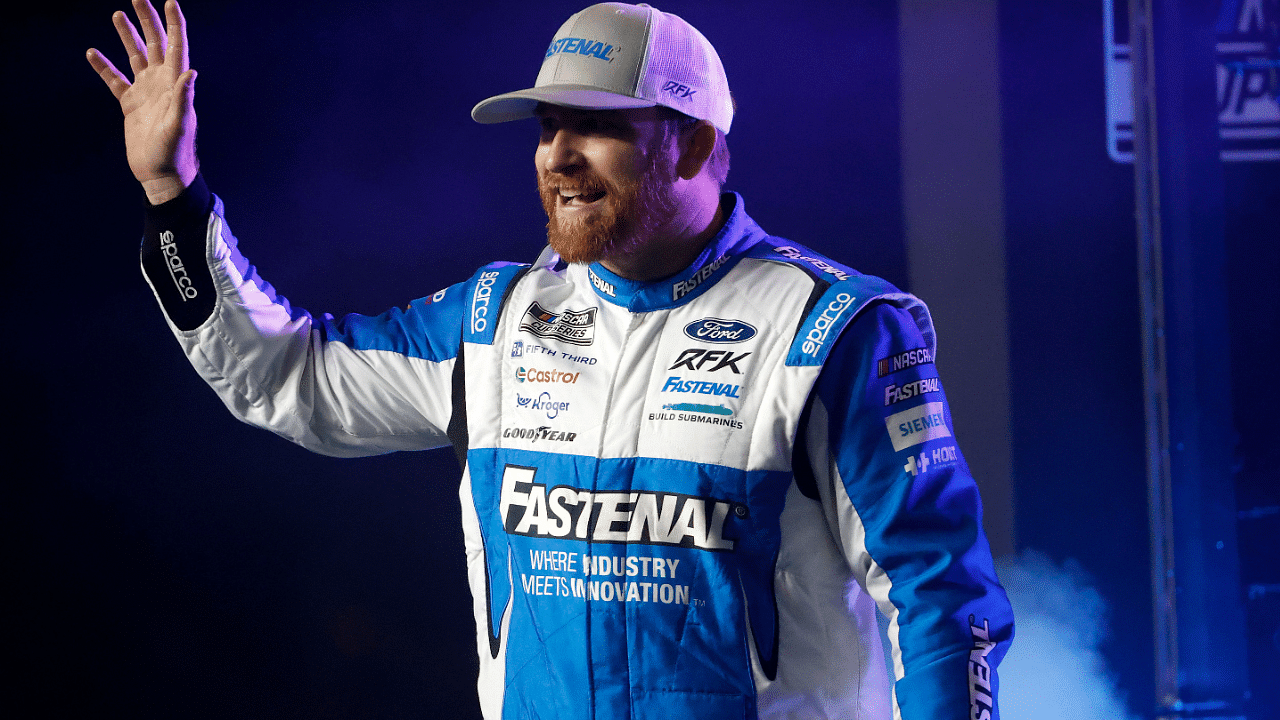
{"x": 581, "y": 46}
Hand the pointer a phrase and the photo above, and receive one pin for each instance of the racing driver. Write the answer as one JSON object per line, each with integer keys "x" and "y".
{"x": 696, "y": 457}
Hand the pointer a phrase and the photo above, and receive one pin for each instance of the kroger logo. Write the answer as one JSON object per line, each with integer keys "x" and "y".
{"x": 715, "y": 330}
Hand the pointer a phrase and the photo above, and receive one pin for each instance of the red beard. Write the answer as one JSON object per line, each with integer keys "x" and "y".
{"x": 632, "y": 211}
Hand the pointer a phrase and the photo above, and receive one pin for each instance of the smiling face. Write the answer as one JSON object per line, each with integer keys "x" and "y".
{"x": 605, "y": 178}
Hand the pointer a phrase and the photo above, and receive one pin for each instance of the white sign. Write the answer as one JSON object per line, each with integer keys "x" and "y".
{"x": 1248, "y": 113}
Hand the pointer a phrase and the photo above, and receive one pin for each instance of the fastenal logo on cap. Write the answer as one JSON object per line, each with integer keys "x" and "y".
{"x": 614, "y": 56}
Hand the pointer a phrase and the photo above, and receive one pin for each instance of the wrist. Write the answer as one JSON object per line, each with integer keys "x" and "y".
{"x": 165, "y": 188}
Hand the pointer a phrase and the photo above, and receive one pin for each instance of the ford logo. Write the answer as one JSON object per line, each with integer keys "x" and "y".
{"x": 715, "y": 330}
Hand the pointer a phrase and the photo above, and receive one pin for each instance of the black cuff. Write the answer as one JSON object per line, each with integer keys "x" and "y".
{"x": 194, "y": 200}
{"x": 174, "y": 237}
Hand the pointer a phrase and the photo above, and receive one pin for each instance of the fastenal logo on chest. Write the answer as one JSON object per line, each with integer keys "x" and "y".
{"x": 636, "y": 518}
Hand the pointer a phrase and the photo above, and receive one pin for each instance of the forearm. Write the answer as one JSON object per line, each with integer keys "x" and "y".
{"x": 324, "y": 384}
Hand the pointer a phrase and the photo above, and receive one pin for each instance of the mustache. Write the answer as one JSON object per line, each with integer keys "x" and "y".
{"x": 585, "y": 182}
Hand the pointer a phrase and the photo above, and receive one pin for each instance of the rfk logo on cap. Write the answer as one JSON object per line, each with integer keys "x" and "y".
{"x": 680, "y": 91}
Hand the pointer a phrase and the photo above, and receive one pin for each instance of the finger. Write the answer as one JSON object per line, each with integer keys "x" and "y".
{"x": 132, "y": 42}
{"x": 116, "y": 82}
{"x": 185, "y": 93}
{"x": 152, "y": 30}
{"x": 177, "y": 36}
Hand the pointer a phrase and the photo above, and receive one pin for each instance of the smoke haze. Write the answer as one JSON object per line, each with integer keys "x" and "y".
{"x": 1055, "y": 669}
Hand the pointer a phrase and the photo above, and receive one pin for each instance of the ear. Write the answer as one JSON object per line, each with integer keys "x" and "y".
{"x": 701, "y": 143}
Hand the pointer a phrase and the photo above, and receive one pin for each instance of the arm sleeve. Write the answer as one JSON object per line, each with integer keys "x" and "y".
{"x": 349, "y": 387}
{"x": 905, "y": 509}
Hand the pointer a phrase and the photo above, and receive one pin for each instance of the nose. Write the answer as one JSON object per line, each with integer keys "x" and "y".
{"x": 560, "y": 151}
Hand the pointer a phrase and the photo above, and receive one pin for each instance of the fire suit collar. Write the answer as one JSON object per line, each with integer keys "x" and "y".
{"x": 738, "y": 234}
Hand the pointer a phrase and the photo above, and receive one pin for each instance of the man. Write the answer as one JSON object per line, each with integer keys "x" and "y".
{"x": 696, "y": 457}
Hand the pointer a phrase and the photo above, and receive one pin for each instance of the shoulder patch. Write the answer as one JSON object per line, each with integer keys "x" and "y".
{"x": 486, "y": 293}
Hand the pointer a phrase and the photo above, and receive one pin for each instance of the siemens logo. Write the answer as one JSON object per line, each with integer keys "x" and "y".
{"x": 817, "y": 335}
{"x": 581, "y": 46}
{"x": 903, "y": 360}
{"x": 917, "y": 424}
{"x": 823, "y": 265}
{"x": 897, "y": 393}
{"x": 177, "y": 271}
{"x": 480, "y": 301}
{"x": 641, "y": 518}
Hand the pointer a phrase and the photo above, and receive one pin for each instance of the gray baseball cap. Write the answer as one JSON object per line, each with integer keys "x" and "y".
{"x": 614, "y": 56}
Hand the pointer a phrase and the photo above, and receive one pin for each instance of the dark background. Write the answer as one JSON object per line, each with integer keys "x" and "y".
{"x": 168, "y": 560}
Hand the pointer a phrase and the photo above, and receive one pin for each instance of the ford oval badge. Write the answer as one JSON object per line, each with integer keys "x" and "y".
{"x": 715, "y": 330}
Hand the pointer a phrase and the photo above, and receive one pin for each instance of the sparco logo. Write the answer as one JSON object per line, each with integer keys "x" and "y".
{"x": 684, "y": 287}
{"x": 177, "y": 270}
{"x": 715, "y": 330}
{"x": 601, "y": 284}
{"x": 817, "y": 262}
{"x": 539, "y": 433}
{"x": 903, "y": 360}
{"x": 696, "y": 358}
{"x": 981, "y": 702}
{"x": 642, "y": 518}
{"x": 577, "y": 327}
{"x": 480, "y": 301}
{"x": 817, "y": 335}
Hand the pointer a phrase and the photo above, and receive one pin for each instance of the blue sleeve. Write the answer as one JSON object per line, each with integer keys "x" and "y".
{"x": 908, "y": 514}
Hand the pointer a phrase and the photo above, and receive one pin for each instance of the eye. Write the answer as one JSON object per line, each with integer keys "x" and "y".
{"x": 546, "y": 126}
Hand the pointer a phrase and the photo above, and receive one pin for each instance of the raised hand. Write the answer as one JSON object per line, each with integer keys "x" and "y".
{"x": 159, "y": 115}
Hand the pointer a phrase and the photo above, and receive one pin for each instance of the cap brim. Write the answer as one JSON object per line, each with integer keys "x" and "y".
{"x": 521, "y": 103}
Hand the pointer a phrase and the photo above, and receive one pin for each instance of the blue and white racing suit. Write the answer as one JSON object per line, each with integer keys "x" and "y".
{"x": 681, "y": 499}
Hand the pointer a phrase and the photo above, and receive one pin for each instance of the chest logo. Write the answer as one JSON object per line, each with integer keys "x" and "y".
{"x": 716, "y": 330}
{"x": 713, "y": 360}
{"x": 576, "y": 327}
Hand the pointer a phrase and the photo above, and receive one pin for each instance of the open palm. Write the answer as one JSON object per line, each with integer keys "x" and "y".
{"x": 159, "y": 115}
